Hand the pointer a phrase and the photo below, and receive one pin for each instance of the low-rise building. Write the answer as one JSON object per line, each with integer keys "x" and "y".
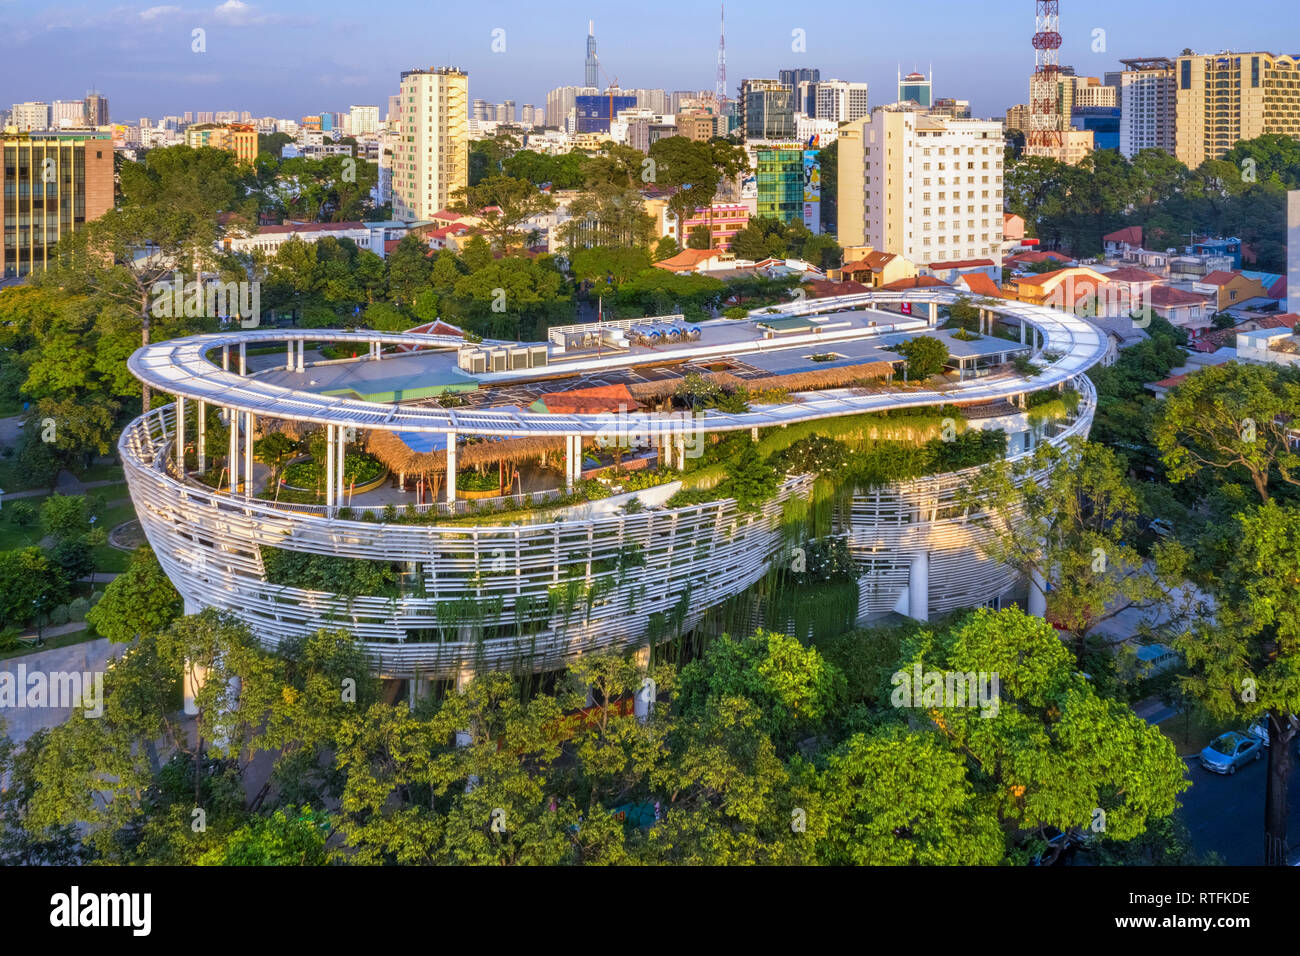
{"x": 1228, "y": 289}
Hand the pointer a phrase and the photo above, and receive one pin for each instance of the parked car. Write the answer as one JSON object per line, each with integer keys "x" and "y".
{"x": 1260, "y": 727}
{"x": 1229, "y": 751}
{"x": 1161, "y": 528}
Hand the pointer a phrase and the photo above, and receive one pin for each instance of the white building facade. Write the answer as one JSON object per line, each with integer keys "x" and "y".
{"x": 432, "y": 156}
{"x": 1148, "y": 110}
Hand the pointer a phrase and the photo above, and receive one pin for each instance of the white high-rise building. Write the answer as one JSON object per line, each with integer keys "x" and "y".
{"x": 432, "y": 158}
{"x": 924, "y": 187}
{"x": 364, "y": 119}
{"x": 836, "y": 100}
{"x": 30, "y": 116}
{"x": 1293, "y": 251}
{"x": 1148, "y": 107}
{"x": 562, "y": 99}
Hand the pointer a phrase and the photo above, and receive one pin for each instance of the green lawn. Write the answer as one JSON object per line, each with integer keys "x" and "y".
{"x": 63, "y": 640}
{"x": 107, "y": 558}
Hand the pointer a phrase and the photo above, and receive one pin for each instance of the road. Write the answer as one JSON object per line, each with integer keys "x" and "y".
{"x": 1225, "y": 815}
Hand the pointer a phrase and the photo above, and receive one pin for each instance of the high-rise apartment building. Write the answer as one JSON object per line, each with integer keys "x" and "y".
{"x": 1225, "y": 98}
{"x": 916, "y": 88}
{"x": 1148, "y": 106}
{"x": 431, "y": 161}
{"x": 30, "y": 116}
{"x": 951, "y": 108}
{"x": 1293, "y": 250}
{"x": 921, "y": 186}
{"x": 96, "y": 108}
{"x": 51, "y": 183}
{"x": 1018, "y": 117}
{"x": 785, "y": 179}
{"x": 767, "y": 110}
{"x": 365, "y": 119}
{"x": 836, "y": 100}
{"x": 237, "y": 138}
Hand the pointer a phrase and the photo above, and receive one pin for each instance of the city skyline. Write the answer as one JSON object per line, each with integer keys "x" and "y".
{"x": 275, "y": 58}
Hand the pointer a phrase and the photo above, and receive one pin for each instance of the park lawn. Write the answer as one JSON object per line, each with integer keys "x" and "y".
{"x": 107, "y": 558}
{"x": 62, "y": 640}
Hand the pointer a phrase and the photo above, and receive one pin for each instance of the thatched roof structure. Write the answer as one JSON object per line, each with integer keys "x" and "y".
{"x": 399, "y": 457}
{"x": 810, "y": 380}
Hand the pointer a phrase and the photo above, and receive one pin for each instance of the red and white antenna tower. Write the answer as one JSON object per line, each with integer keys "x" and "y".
{"x": 720, "y": 90}
{"x": 1045, "y": 120}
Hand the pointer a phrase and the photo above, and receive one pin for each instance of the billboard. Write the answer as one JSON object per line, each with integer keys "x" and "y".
{"x": 812, "y": 191}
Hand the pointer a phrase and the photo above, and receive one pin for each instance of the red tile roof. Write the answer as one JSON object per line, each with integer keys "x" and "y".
{"x": 1278, "y": 289}
{"x": 1219, "y": 277}
{"x": 688, "y": 259}
{"x": 1284, "y": 321}
{"x": 962, "y": 264}
{"x": 1168, "y": 296}
{"x": 1033, "y": 258}
{"x": 309, "y": 227}
{"x": 823, "y": 288}
{"x": 1130, "y": 274}
{"x": 1130, "y": 234}
{"x": 917, "y": 282}
{"x": 1043, "y": 278}
{"x": 600, "y": 398}
{"x": 1171, "y": 381}
{"x": 874, "y": 261}
{"x": 980, "y": 284}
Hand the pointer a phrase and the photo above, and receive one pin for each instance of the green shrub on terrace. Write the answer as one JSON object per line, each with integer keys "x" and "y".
{"x": 346, "y": 577}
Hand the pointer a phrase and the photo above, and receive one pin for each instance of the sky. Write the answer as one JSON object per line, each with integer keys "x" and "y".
{"x": 287, "y": 58}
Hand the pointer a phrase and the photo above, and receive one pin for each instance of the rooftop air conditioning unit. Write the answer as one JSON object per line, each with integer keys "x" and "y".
{"x": 537, "y": 356}
{"x": 518, "y": 359}
{"x": 475, "y": 363}
{"x": 498, "y": 360}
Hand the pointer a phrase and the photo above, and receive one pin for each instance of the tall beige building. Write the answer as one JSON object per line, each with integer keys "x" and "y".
{"x": 1228, "y": 97}
{"x": 431, "y": 159}
{"x": 924, "y": 187}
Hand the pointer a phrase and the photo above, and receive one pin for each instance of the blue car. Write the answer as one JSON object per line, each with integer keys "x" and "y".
{"x": 1229, "y": 751}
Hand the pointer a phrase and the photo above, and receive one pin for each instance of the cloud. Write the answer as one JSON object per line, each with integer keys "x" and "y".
{"x": 154, "y": 12}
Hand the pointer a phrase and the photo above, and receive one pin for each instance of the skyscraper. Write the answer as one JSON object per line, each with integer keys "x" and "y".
{"x": 592, "y": 77}
{"x": 916, "y": 87}
{"x": 792, "y": 79}
{"x": 431, "y": 162}
{"x": 767, "y": 110}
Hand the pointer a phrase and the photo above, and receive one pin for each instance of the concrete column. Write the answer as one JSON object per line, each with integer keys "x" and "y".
{"x": 288, "y": 358}
{"x": 243, "y": 358}
{"x": 192, "y": 681}
{"x": 753, "y": 433}
{"x": 248, "y": 455}
{"x": 329, "y": 469}
{"x": 666, "y": 451}
{"x": 934, "y": 313}
{"x": 679, "y": 455}
{"x": 1022, "y": 331}
{"x": 643, "y": 701}
{"x": 1037, "y": 594}
{"x": 225, "y": 357}
{"x": 451, "y": 468}
{"x": 203, "y": 437}
{"x": 301, "y": 348}
{"x": 918, "y": 587}
{"x": 180, "y": 435}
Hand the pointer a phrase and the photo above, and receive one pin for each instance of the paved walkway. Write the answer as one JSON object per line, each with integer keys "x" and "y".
{"x": 89, "y": 656}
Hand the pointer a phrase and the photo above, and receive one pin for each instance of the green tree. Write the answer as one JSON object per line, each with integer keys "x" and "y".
{"x": 31, "y": 585}
{"x": 502, "y": 204}
{"x": 700, "y": 238}
{"x": 925, "y": 356}
{"x": 141, "y": 600}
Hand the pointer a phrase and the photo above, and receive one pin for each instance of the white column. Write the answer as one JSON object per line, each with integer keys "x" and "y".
{"x": 1037, "y": 594}
{"x": 643, "y": 701}
{"x": 180, "y": 435}
{"x": 568, "y": 463}
{"x": 301, "y": 348}
{"x": 243, "y": 358}
{"x": 918, "y": 587}
{"x": 248, "y": 455}
{"x": 288, "y": 358}
{"x": 451, "y": 467}
{"x": 203, "y": 437}
{"x": 680, "y": 455}
{"x": 666, "y": 451}
{"x": 193, "y": 679}
{"x": 329, "y": 469}
{"x": 1022, "y": 331}
{"x": 934, "y": 313}
{"x": 232, "y": 419}
{"x": 225, "y": 357}
{"x": 342, "y": 448}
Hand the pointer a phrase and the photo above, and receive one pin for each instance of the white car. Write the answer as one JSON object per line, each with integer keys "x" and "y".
{"x": 1260, "y": 727}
